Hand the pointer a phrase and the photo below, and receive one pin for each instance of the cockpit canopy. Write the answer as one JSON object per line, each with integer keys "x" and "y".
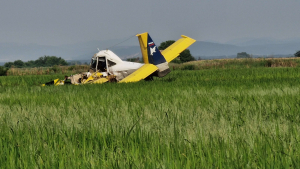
{"x": 103, "y": 60}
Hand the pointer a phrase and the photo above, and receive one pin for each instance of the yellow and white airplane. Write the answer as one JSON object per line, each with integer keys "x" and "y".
{"x": 106, "y": 66}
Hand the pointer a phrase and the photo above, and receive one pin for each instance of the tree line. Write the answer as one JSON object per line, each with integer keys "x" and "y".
{"x": 44, "y": 61}
{"x": 246, "y": 55}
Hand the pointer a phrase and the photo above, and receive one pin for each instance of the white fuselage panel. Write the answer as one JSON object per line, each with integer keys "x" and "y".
{"x": 125, "y": 66}
{"x": 121, "y": 68}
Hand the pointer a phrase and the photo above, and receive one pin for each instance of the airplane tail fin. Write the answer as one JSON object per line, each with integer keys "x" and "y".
{"x": 152, "y": 55}
{"x": 150, "y": 51}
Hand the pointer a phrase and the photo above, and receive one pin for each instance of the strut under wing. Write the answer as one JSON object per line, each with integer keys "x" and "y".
{"x": 176, "y": 48}
{"x": 140, "y": 74}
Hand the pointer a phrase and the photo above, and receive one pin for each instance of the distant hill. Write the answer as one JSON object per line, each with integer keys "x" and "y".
{"x": 205, "y": 50}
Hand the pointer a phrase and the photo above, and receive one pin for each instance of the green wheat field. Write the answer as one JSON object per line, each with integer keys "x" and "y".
{"x": 210, "y": 118}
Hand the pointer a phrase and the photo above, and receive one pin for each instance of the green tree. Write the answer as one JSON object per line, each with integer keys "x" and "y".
{"x": 243, "y": 55}
{"x": 166, "y": 44}
{"x": 184, "y": 56}
{"x": 44, "y": 61}
{"x": 47, "y": 61}
{"x": 297, "y": 54}
{"x": 3, "y": 71}
{"x": 30, "y": 64}
{"x": 8, "y": 64}
{"x": 19, "y": 63}
{"x": 40, "y": 62}
{"x": 62, "y": 61}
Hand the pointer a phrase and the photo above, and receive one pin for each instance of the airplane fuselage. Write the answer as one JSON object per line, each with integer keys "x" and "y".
{"x": 106, "y": 66}
{"x": 110, "y": 63}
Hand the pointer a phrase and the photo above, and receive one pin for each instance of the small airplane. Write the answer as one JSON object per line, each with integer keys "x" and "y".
{"x": 106, "y": 66}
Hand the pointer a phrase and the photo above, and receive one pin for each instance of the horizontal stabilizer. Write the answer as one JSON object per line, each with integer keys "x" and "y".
{"x": 140, "y": 74}
{"x": 176, "y": 48}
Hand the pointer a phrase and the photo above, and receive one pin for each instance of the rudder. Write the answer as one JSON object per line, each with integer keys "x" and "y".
{"x": 152, "y": 55}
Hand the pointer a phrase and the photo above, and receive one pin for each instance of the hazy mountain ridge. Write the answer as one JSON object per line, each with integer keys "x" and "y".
{"x": 203, "y": 49}
{"x": 206, "y": 50}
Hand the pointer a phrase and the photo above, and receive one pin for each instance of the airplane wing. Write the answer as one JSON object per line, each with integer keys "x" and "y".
{"x": 140, "y": 74}
{"x": 176, "y": 48}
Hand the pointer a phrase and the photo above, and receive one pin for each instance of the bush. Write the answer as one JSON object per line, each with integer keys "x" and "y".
{"x": 55, "y": 68}
{"x": 188, "y": 67}
{"x": 8, "y": 64}
{"x": 269, "y": 63}
{"x": 71, "y": 67}
{"x": 176, "y": 61}
{"x": 3, "y": 71}
{"x": 243, "y": 55}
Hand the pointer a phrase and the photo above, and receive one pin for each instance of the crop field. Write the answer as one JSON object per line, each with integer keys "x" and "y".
{"x": 210, "y": 118}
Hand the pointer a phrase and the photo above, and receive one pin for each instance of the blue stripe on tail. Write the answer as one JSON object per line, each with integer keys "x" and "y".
{"x": 154, "y": 55}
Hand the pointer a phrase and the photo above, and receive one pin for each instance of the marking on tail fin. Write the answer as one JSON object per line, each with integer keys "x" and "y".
{"x": 151, "y": 44}
{"x": 152, "y": 50}
{"x": 154, "y": 56}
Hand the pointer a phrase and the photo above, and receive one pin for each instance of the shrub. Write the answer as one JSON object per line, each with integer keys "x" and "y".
{"x": 269, "y": 63}
{"x": 188, "y": 67}
{"x": 243, "y": 55}
{"x": 55, "y": 68}
{"x": 71, "y": 67}
{"x": 3, "y": 71}
{"x": 176, "y": 61}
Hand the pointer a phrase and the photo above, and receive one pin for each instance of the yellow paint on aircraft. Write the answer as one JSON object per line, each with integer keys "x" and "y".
{"x": 58, "y": 82}
{"x": 100, "y": 81}
{"x": 140, "y": 74}
{"x": 93, "y": 76}
{"x": 176, "y": 48}
{"x": 143, "y": 39}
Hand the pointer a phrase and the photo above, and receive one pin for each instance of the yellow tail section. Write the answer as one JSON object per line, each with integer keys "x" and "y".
{"x": 143, "y": 37}
{"x": 176, "y": 48}
{"x": 140, "y": 74}
{"x": 170, "y": 53}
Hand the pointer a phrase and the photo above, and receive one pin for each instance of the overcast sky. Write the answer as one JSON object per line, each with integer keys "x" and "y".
{"x": 57, "y": 22}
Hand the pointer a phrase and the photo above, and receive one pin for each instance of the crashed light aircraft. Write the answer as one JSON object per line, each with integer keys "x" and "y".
{"x": 106, "y": 66}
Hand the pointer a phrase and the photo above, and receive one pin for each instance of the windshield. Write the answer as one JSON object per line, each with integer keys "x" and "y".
{"x": 93, "y": 64}
{"x": 100, "y": 66}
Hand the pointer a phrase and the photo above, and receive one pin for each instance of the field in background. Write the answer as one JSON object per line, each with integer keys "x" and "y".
{"x": 195, "y": 65}
{"x": 67, "y": 70}
{"x": 210, "y": 118}
{"x": 238, "y": 63}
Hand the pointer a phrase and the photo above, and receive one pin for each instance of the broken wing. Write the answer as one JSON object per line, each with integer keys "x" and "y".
{"x": 176, "y": 48}
{"x": 140, "y": 73}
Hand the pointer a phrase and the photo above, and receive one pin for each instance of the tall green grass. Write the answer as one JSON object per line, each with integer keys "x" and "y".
{"x": 215, "y": 118}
